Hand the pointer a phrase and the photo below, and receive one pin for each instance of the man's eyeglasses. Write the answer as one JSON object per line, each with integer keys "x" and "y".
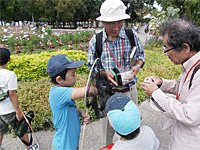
{"x": 112, "y": 25}
{"x": 165, "y": 51}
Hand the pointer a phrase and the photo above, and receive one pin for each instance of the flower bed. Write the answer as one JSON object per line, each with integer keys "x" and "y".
{"x": 24, "y": 39}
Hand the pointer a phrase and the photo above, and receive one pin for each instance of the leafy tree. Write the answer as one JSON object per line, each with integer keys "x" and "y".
{"x": 156, "y": 20}
{"x": 10, "y": 10}
{"x": 89, "y": 10}
{"x": 137, "y": 9}
{"x": 192, "y": 10}
{"x": 189, "y": 9}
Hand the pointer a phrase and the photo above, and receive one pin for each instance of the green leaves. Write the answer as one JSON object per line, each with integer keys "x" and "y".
{"x": 33, "y": 67}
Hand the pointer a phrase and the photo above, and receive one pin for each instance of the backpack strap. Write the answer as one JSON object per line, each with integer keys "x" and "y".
{"x": 99, "y": 36}
{"x": 98, "y": 50}
{"x": 130, "y": 36}
{"x": 195, "y": 70}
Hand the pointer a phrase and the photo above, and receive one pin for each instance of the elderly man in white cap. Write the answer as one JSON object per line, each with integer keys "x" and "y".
{"x": 115, "y": 51}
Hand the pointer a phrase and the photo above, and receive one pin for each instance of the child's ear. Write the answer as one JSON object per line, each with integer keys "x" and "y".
{"x": 59, "y": 79}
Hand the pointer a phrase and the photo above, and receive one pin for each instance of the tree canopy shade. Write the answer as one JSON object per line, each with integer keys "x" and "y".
{"x": 74, "y": 11}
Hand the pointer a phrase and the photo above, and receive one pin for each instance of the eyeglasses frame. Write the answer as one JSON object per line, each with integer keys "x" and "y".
{"x": 165, "y": 52}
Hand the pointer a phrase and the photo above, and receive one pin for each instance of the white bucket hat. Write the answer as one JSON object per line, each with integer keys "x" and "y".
{"x": 113, "y": 10}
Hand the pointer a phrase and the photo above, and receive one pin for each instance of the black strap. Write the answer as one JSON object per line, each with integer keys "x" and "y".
{"x": 98, "y": 44}
{"x": 99, "y": 36}
{"x": 30, "y": 141}
{"x": 130, "y": 35}
{"x": 192, "y": 76}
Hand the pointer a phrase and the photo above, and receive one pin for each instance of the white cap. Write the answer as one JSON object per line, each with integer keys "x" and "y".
{"x": 113, "y": 10}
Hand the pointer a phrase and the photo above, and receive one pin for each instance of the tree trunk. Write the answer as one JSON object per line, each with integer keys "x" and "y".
{"x": 56, "y": 23}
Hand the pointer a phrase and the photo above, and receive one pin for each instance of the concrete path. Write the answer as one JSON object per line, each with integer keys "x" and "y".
{"x": 93, "y": 132}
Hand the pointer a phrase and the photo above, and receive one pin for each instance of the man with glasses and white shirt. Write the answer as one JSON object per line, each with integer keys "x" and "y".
{"x": 181, "y": 43}
{"x": 116, "y": 51}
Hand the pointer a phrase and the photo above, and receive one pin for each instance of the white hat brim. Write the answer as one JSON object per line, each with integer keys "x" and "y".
{"x": 110, "y": 19}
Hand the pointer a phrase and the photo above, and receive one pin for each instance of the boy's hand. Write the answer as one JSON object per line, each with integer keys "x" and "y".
{"x": 92, "y": 90}
{"x": 86, "y": 119}
{"x": 19, "y": 115}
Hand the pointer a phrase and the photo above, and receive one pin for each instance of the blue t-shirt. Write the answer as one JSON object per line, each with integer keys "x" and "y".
{"x": 65, "y": 118}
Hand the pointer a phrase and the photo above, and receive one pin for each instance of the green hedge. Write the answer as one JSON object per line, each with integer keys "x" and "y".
{"x": 33, "y": 67}
{"x": 34, "y": 96}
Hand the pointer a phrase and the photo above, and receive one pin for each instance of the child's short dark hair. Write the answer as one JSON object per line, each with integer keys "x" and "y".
{"x": 4, "y": 56}
{"x": 61, "y": 74}
{"x": 131, "y": 135}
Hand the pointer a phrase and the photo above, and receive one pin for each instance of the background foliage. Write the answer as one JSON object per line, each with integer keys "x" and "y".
{"x": 33, "y": 67}
{"x": 75, "y": 11}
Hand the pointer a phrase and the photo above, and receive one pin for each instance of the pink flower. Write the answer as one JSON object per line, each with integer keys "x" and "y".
{"x": 58, "y": 50}
{"x": 70, "y": 43}
{"x": 88, "y": 39}
{"x": 61, "y": 44}
{"x": 71, "y": 47}
{"x": 82, "y": 40}
{"x": 18, "y": 49}
{"x": 2, "y": 46}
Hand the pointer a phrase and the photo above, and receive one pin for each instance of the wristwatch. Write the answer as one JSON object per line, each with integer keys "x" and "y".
{"x": 138, "y": 66}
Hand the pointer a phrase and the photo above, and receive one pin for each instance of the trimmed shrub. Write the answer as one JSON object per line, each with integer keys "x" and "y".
{"x": 33, "y": 67}
{"x": 35, "y": 96}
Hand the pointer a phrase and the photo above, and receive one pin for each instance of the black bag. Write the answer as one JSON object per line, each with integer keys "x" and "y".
{"x": 104, "y": 92}
{"x": 22, "y": 127}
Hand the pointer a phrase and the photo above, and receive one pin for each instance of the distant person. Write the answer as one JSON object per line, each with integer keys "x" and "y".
{"x": 12, "y": 24}
{"x": 10, "y": 113}
{"x": 146, "y": 30}
{"x": 31, "y": 25}
{"x": 37, "y": 25}
{"x": 61, "y": 68}
{"x": 181, "y": 44}
{"x": 125, "y": 119}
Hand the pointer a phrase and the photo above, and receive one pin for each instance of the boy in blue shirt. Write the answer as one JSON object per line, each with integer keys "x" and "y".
{"x": 62, "y": 96}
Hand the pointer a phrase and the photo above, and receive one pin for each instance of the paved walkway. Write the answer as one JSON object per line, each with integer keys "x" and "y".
{"x": 93, "y": 133}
